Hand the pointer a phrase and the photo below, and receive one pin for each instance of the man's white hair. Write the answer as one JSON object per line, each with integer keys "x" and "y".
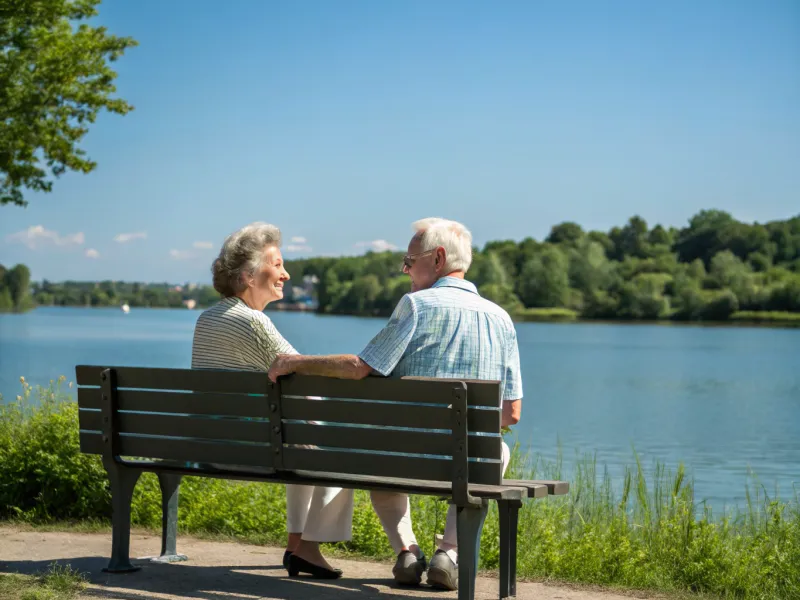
{"x": 454, "y": 237}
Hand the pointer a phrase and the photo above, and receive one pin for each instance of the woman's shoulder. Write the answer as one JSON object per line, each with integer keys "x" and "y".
{"x": 227, "y": 311}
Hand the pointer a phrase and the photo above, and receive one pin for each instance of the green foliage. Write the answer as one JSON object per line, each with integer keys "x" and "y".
{"x": 502, "y": 295}
{"x": 544, "y": 280}
{"x": 766, "y": 317}
{"x": 648, "y": 534}
{"x": 116, "y": 293}
{"x": 43, "y": 475}
{"x": 706, "y": 271}
{"x": 546, "y": 314}
{"x": 54, "y": 80}
{"x": 14, "y": 292}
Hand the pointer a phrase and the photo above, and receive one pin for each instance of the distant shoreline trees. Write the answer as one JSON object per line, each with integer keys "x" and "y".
{"x": 715, "y": 269}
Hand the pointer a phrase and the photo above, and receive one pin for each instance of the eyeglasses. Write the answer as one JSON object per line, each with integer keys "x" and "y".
{"x": 410, "y": 259}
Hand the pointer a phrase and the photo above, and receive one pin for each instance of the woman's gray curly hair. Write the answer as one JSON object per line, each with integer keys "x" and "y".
{"x": 241, "y": 256}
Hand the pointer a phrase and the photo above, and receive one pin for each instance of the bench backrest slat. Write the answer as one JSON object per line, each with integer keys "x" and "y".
{"x": 184, "y": 449}
{"x": 387, "y": 465}
{"x": 422, "y": 389}
{"x": 233, "y": 405}
{"x": 385, "y": 440}
{"x": 181, "y": 426}
{"x": 227, "y": 382}
{"x": 386, "y": 415}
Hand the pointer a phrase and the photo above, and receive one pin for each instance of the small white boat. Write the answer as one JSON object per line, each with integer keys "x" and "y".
{"x": 125, "y": 308}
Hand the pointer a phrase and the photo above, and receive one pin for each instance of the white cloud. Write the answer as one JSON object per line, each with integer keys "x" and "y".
{"x": 376, "y": 246}
{"x": 181, "y": 254}
{"x": 298, "y": 248}
{"x": 122, "y": 238}
{"x": 298, "y": 240}
{"x": 203, "y": 245}
{"x": 36, "y": 236}
{"x": 91, "y": 253}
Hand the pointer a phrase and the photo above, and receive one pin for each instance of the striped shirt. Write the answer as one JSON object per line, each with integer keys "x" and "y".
{"x": 231, "y": 335}
{"x": 448, "y": 331}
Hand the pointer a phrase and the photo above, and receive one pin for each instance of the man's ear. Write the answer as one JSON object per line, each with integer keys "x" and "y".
{"x": 441, "y": 257}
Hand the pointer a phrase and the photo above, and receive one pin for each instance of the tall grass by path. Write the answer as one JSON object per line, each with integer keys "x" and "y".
{"x": 647, "y": 533}
{"x": 57, "y": 583}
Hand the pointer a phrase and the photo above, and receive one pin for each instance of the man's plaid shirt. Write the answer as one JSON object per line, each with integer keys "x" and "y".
{"x": 448, "y": 331}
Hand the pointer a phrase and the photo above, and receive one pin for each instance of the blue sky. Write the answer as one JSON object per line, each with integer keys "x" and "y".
{"x": 342, "y": 122}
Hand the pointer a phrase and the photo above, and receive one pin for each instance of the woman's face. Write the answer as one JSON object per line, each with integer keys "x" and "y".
{"x": 267, "y": 284}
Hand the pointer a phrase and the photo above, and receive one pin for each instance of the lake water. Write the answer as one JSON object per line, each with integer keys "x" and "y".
{"x": 723, "y": 401}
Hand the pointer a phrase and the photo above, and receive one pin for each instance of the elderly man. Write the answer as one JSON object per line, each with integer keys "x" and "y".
{"x": 443, "y": 328}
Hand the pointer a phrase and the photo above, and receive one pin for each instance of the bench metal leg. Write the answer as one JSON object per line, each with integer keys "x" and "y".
{"x": 123, "y": 480}
{"x": 470, "y": 524}
{"x": 170, "y": 485}
{"x": 509, "y": 513}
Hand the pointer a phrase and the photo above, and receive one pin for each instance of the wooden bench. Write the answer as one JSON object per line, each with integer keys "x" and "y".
{"x": 437, "y": 437}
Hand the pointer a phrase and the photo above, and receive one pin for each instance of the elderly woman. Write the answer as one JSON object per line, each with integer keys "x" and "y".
{"x": 236, "y": 334}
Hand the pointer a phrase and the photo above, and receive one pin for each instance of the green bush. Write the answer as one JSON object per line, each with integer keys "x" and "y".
{"x": 43, "y": 475}
{"x": 649, "y": 534}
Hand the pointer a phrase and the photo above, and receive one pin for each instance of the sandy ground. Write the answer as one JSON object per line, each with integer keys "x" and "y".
{"x": 229, "y": 571}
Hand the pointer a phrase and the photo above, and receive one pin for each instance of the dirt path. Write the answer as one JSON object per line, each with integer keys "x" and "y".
{"x": 229, "y": 571}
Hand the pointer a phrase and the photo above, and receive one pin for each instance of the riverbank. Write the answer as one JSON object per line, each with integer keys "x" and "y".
{"x": 775, "y": 319}
{"x": 649, "y": 533}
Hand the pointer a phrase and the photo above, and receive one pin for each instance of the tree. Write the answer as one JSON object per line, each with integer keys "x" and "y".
{"x": 491, "y": 271}
{"x": 16, "y": 282}
{"x": 631, "y": 240}
{"x": 566, "y": 232}
{"x": 544, "y": 281}
{"x": 588, "y": 266}
{"x": 643, "y": 298}
{"x": 54, "y": 80}
{"x": 502, "y": 295}
{"x": 659, "y": 236}
{"x": 704, "y": 236}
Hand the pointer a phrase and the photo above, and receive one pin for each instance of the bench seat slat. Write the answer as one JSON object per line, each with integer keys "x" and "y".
{"x": 188, "y": 450}
{"x": 386, "y": 414}
{"x": 234, "y": 405}
{"x": 554, "y": 488}
{"x": 422, "y": 390}
{"x": 178, "y": 426}
{"x": 387, "y": 440}
{"x": 358, "y": 463}
{"x": 198, "y": 380}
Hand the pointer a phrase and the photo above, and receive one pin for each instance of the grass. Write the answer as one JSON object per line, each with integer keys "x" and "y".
{"x": 749, "y": 317}
{"x": 57, "y": 583}
{"x": 546, "y": 314}
{"x": 755, "y": 316}
{"x": 644, "y": 531}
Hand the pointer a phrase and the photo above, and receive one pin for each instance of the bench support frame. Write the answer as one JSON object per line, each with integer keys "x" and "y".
{"x": 169, "y": 484}
{"x": 123, "y": 480}
{"x": 509, "y": 515}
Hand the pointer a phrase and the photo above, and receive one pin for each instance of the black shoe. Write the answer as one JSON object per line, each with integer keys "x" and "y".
{"x": 299, "y": 565}
{"x": 286, "y": 556}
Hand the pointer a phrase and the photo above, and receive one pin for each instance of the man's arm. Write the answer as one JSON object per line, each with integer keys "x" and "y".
{"x": 380, "y": 356}
{"x": 512, "y": 410}
{"x": 342, "y": 366}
